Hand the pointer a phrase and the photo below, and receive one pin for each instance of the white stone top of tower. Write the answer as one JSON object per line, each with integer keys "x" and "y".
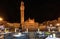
{"x": 22, "y": 5}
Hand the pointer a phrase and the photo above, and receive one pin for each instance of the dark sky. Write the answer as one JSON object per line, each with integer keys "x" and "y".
{"x": 40, "y": 10}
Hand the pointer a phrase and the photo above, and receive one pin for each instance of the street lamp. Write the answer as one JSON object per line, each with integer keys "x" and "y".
{"x": 1, "y": 19}
{"x": 58, "y": 24}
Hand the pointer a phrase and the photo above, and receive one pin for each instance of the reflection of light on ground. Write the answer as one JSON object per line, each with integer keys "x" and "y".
{"x": 23, "y": 34}
{"x": 39, "y": 32}
{"x": 17, "y": 35}
{"x": 52, "y": 37}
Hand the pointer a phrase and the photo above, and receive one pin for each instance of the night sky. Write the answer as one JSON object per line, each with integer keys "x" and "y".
{"x": 40, "y": 10}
